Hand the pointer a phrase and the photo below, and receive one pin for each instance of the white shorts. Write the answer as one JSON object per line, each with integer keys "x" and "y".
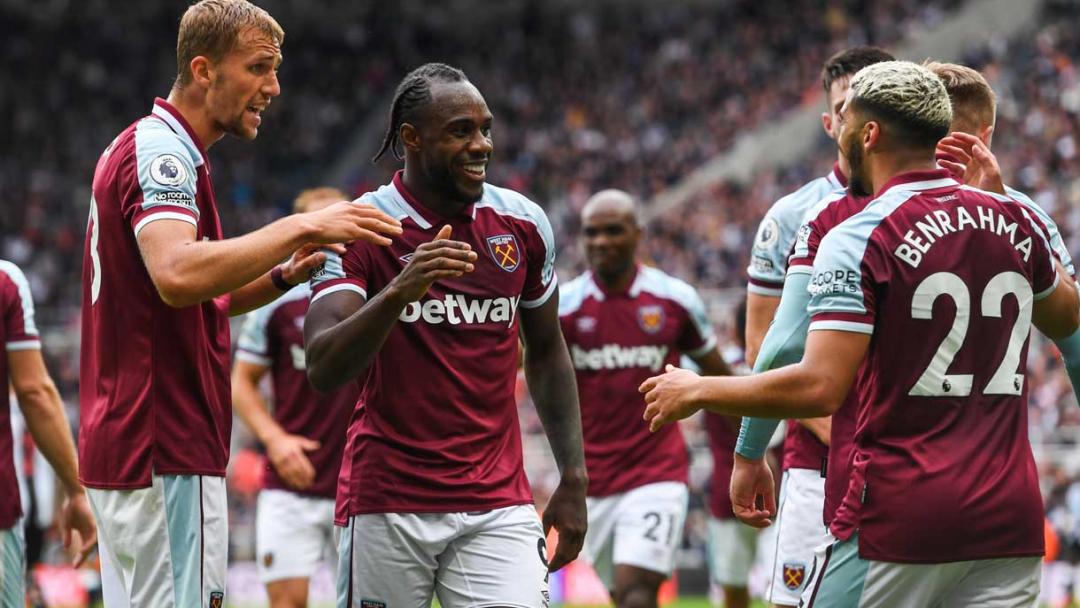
{"x": 166, "y": 545}
{"x": 799, "y": 531}
{"x": 848, "y": 581}
{"x": 642, "y": 527}
{"x": 13, "y": 565}
{"x": 293, "y": 533}
{"x": 402, "y": 560}
{"x": 731, "y": 547}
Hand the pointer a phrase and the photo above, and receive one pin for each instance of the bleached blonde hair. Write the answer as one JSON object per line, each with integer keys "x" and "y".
{"x": 907, "y": 96}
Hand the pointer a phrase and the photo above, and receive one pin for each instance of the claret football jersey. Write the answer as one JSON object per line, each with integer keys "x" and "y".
{"x": 944, "y": 277}
{"x": 154, "y": 380}
{"x": 436, "y": 427}
{"x": 617, "y": 340}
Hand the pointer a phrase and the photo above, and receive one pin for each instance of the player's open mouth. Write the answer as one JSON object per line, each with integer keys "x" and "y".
{"x": 477, "y": 171}
{"x": 256, "y": 113}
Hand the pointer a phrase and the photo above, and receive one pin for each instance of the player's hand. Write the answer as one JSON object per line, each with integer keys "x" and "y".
{"x": 751, "y": 485}
{"x": 288, "y": 456}
{"x": 345, "y": 221}
{"x": 77, "y": 528}
{"x": 299, "y": 266}
{"x": 668, "y": 397}
{"x": 437, "y": 259}
{"x": 566, "y": 513}
{"x": 971, "y": 161}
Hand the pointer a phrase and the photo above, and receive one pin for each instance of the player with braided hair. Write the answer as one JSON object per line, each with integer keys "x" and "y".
{"x": 432, "y": 489}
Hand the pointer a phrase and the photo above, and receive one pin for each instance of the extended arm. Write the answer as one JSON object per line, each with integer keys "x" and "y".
{"x": 816, "y": 386}
{"x": 187, "y": 271}
{"x": 554, "y": 390}
{"x": 48, "y": 424}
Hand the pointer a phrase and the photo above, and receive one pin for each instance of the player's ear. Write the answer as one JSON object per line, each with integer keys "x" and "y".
{"x": 409, "y": 136}
{"x": 200, "y": 71}
{"x": 986, "y": 134}
{"x": 826, "y": 121}
{"x": 871, "y": 134}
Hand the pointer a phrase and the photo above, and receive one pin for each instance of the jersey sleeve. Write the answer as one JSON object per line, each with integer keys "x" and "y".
{"x": 768, "y": 256}
{"x": 20, "y": 332}
{"x": 540, "y": 281}
{"x": 697, "y": 337}
{"x": 341, "y": 272}
{"x": 166, "y": 181}
{"x": 842, "y": 293}
{"x": 808, "y": 238}
{"x": 1044, "y": 276}
{"x": 254, "y": 345}
{"x": 1053, "y": 233}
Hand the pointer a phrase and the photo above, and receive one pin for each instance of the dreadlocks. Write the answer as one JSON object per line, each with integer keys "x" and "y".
{"x": 413, "y": 93}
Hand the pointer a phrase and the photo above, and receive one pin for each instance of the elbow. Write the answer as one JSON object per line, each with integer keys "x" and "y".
{"x": 174, "y": 294}
{"x": 36, "y": 400}
{"x": 823, "y": 398}
{"x": 319, "y": 374}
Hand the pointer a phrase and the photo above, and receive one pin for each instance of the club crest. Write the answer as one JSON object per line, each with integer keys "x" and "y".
{"x": 651, "y": 318}
{"x": 505, "y": 251}
{"x": 794, "y": 575}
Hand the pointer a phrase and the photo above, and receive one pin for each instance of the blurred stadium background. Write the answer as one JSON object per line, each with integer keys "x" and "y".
{"x": 706, "y": 110}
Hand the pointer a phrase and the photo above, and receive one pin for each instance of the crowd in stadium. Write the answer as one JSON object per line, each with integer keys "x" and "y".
{"x": 584, "y": 98}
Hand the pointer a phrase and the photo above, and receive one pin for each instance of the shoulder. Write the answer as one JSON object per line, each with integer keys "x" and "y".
{"x": 510, "y": 203}
{"x": 386, "y": 199}
{"x": 11, "y": 274}
{"x": 154, "y": 138}
{"x": 826, "y": 206}
{"x": 849, "y": 239}
{"x": 573, "y": 293}
{"x": 662, "y": 285}
{"x": 796, "y": 204}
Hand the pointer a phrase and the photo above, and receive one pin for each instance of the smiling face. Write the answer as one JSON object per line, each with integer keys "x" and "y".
{"x": 453, "y": 141}
{"x": 243, "y": 83}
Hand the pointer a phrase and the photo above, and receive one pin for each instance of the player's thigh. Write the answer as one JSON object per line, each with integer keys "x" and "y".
{"x": 499, "y": 560}
{"x": 13, "y": 565}
{"x": 800, "y": 531}
{"x": 603, "y": 512}
{"x": 843, "y": 577}
{"x": 389, "y": 560}
{"x": 998, "y": 583}
{"x": 650, "y": 526}
{"x": 290, "y": 535}
{"x": 730, "y": 546}
{"x": 167, "y": 543}
{"x": 288, "y": 593}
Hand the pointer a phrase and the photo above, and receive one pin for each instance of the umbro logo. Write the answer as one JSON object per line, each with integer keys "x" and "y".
{"x": 406, "y": 258}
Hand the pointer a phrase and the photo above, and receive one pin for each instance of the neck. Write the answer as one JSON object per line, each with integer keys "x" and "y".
{"x": 427, "y": 195}
{"x": 885, "y": 167}
{"x": 617, "y": 282}
{"x": 191, "y": 103}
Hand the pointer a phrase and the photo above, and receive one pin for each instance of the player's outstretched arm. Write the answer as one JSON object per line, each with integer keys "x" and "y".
{"x": 287, "y": 453}
{"x": 45, "y": 417}
{"x": 816, "y": 386}
{"x": 187, "y": 271}
{"x": 342, "y": 331}
{"x": 554, "y": 391}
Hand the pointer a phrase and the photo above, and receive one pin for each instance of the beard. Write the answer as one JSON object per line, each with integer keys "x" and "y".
{"x": 858, "y": 181}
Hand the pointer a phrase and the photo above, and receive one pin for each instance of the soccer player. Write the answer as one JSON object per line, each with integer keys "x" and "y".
{"x": 159, "y": 282}
{"x": 941, "y": 452}
{"x": 432, "y": 491}
{"x": 43, "y": 410}
{"x": 973, "y": 106}
{"x": 623, "y": 322}
{"x": 799, "y": 524}
{"x": 304, "y": 438}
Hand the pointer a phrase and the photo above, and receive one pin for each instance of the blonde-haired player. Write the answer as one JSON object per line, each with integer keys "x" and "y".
{"x": 943, "y": 505}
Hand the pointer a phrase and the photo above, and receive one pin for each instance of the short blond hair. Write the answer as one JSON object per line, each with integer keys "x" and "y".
{"x": 973, "y": 101}
{"x": 210, "y": 29}
{"x": 907, "y": 96}
{"x": 314, "y": 195}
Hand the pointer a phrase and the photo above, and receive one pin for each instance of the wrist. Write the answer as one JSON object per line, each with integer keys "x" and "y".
{"x": 746, "y": 460}
{"x": 277, "y": 277}
{"x": 574, "y": 477}
{"x": 74, "y": 490}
